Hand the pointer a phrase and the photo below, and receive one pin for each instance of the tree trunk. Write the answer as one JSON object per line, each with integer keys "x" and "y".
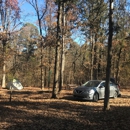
{"x": 62, "y": 65}
{"x": 5, "y": 20}
{"x": 117, "y": 64}
{"x": 42, "y": 74}
{"x": 56, "y": 68}
{"x": 49, "y": 69}
{"x": 4, "y": 77}
{"x": 40, "y": 16}
{"x": 92, "y": 57}
{"x": 4, "y": 66}
{"x": 94, "y": 62}
{"x": 109, "y": 57}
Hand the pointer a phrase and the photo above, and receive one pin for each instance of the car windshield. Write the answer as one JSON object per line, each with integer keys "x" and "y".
{"x": 92, "y": 83}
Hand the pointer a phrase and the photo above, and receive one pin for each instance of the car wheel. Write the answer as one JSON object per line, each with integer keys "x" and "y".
{"x": 95, "y": 97}
{"x": 119, "y": 95}
{"x": 115, "y": 95}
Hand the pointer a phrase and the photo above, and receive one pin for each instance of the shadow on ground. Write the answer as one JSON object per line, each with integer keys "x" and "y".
{"x": 61, "y": 115}
{"x": 35, "y": 110}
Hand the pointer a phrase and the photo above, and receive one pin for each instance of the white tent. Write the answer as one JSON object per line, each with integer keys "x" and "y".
{"x": 14, "y": 84}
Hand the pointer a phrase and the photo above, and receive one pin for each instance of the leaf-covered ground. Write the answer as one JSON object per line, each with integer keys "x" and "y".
{"x": 33, "y": 109}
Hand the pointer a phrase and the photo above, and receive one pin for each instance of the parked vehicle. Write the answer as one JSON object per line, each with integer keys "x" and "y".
{"x": 118, "y": 88}
{"x": 95, "y": 90}
{"x": 117, "y": 85}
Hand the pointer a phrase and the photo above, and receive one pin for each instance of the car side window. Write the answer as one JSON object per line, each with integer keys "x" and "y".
{"x": 103, "y": 84}
{"x": 111, "y": 84}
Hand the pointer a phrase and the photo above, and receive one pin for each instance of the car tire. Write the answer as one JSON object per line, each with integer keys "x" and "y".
{"x": 115, "y": 95}
{"x": 119, "y": 95}
{"x": 95, "y": 97}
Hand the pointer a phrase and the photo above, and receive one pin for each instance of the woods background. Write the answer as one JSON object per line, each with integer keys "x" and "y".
{"x": 48, "y": 51}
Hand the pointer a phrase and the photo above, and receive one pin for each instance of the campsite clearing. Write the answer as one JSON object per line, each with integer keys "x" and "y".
{"x": 32, "y": 108}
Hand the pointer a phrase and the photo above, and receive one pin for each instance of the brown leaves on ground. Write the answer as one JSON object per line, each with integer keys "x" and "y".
{"x": 33, "y": 109}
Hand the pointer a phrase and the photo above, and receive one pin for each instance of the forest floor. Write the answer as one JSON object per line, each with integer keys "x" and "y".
{"x": 33, "y": 109}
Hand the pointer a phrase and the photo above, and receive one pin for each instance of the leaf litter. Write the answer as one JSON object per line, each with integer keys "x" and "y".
{"x": 34, "y": 109}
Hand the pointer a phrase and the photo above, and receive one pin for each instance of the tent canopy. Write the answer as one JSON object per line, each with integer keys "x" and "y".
{"x": 14, "y": 85}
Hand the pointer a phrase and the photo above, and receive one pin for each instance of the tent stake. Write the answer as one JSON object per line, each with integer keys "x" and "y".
{"x": 10, "y": 94}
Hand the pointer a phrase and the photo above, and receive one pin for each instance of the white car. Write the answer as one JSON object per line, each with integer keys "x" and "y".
{"x": 95, "y": 90}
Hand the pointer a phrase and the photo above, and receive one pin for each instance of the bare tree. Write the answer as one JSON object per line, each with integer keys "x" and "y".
{"x": 62, "y": 60}
{"x": 9, "y": 12}
{"x": 57, "y": 51}
{"x": 109, "y": 57}
{"x": 40, "y": 14}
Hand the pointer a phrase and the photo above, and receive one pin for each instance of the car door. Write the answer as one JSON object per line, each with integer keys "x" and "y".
{"x": 101, "y": 90}
{"x": 112, "y": 89}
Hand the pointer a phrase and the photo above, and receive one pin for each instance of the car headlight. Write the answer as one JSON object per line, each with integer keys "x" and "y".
{"x": 91, "y": 91}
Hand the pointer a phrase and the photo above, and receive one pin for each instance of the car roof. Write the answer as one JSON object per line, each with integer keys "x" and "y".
{"x": 100, "y": 80}
{"x": 97, "y": 80}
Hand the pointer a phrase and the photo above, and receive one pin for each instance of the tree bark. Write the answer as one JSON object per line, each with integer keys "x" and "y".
{"x": 56, "y": 67}
{"x": 62, "y": 65}
{"x": 109, "y": 57}
{"x": 117, "y": 64}
{"x": 92, "y": 56}
{"x": 4, "y": 67}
